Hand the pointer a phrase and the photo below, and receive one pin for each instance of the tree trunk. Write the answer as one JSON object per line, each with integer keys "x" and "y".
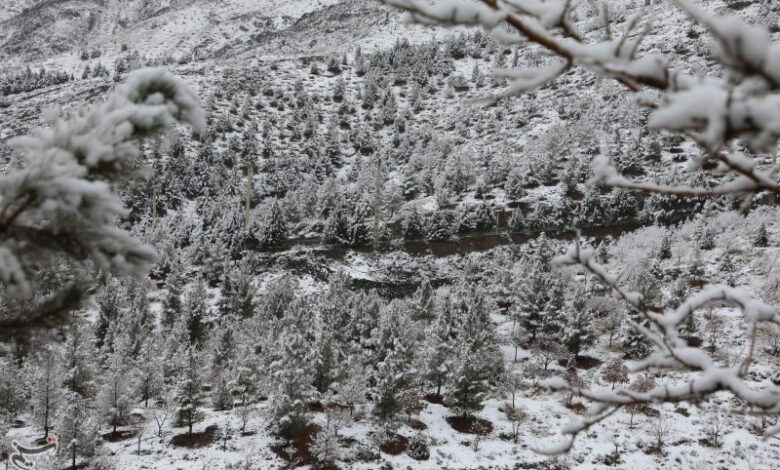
{"x": 73, "y": 458}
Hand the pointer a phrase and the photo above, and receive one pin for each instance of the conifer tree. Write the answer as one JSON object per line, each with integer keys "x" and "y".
{"x": 578, "y": 331}
{"x": 467, "y": 389}
{"x": 148, "y": 372}
{"x": 115, "y": 393}
{"x": 77, "y": 427}
{"x": 190, "y": 384}
{"x": 761, "y": 237}
{"x": 46, "y": 376}
{"x": 292, "y": 375}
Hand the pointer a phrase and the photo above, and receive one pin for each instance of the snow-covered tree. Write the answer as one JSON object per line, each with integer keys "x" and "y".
{"x": 62, "y": 192}
{"x": 189, "y": 387}
{"x": 292, "y": 374}
{"x": 77, "y": 428}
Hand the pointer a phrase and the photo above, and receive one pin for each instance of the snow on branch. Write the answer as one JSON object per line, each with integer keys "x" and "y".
{"x": 714, "y": 112}
{"x": 671, "y": 352}
{"x": 61, "y": 199}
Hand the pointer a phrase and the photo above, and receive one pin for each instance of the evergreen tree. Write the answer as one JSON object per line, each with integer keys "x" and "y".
{"x": 77, "y": 427}
{"x": 270, "y": 230}
{"x": 196, "y": 308}
{"x": 292, "y": 373}
{"x": 412, "y": 225}
{"x": 578, "y": 331}
{"x": 665, "y": 249}
{"x": 172, "y": 305}
{"x": 324, "y": 363}
{"x": 46, "y": 376}
{"x": 12, "y": 390}
{"x": 148, "y": 372}
{"x": 467, "y": 389}
{"x": 761, "y": 237}
{"x": 190, "y": 384}
{"x": 78, "y": 362}
{"x": 438, "y": 351}
{"x": 426, "y": 301}
{"x": 115, "y": 396}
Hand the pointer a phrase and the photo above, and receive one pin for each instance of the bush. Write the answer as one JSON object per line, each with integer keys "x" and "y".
{"x": 418, "y": 448}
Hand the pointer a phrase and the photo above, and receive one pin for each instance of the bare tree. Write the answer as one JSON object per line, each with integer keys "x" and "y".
{"x": 163, "y": 410}
{"x": 660, "y": 430}
{"x": 516, "y": 417}
{"x": 615, "y": 372}
{"x": 714, "y": 426}
{"x": 771, "y": 335}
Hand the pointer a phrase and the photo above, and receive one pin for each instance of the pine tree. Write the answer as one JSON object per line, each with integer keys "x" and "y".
{"x": 324, "y": 363}
{"x": 77, "y": 427}
{"x": 190, "y": 384}
{"x": 148, "y": 373}
{"x": 12, "y": 389}
{"x": 438, "y": 351}
{"x": 272, "y": 231}
{"x": 115, "y": 396}
{"x": 578, "y": 331}
{"x": 705, "y": 238}
{"x": 46, "y": 376}
{"x": 350, "y": 390}
{"x": 541, "y": 299}
{"x": 761, "y": 237}
{"x": 467, "y": 389}
{"x": 665, "y": 249}
{"x": 108, "y": 302}
{"x": 172, "y": 305}
{"x": 245, "y": 385}
{"x": 426, "y": 301}
{"x": 222, "y": 398}
{"x": 635, "y": 345}
{"x": 391, "y": 379}
{"x": 78, "y": 362}
{"x": 292, "y": 374}
{"x": 412, "y": 225}
{"x": 196, "y": 313}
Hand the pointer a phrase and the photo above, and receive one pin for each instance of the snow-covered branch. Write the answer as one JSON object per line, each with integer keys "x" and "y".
{"x": 713, "y": 112}
{"x": 61, "y": 198}
{"x": 673, "y": 353}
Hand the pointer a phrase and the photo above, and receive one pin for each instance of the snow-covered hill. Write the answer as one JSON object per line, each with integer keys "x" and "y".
{"x": 349, "y": 120}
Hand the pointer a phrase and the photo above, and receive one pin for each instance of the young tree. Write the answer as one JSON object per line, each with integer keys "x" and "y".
{"x": 148, "y": 373}
{"x": 163, "y": 408}
{"x": 292, "y": 373}
{"x": 761, "y": 237}
{"x": 578, "y": 332}
{"x": 114, "y": 396}
{"x": 77, "y": 427}
{"x": 190, "y": 384}
{"x": 351, "y": 390}
{"x": 46, "y": 378}
{"x": 12, "y": 389}
{"x": 467, "y": 391}
{"x": 516, "y": 416}
{"x": 615, "y": 372}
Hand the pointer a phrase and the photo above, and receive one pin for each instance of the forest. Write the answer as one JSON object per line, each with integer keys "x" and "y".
{"x": 504, "y": 234}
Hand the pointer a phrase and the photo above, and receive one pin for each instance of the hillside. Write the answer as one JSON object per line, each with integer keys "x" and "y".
{"x": 359, "y": 229}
